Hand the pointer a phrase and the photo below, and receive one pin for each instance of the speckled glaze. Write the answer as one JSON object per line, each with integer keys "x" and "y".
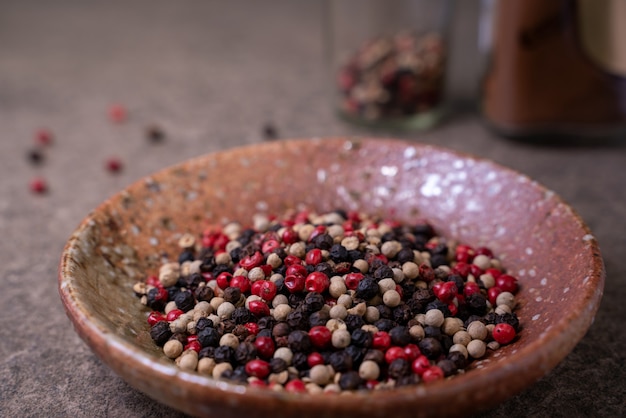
{"x": 538, "y": 237}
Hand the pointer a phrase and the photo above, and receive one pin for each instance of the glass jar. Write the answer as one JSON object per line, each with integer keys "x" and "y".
{"x": 388, "y": 61}
{"x": 556, "y": 70}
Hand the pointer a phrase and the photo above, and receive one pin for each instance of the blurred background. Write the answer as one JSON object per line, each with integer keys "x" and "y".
{"x": 95, "y": 95}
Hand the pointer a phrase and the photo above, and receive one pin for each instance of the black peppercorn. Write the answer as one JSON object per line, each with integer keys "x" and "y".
{"x": 353, "y": 322}
{"x": 354, "y": 255}
{"x": 281, "y": 329}
{"x": 385, "y": 311}
{"x": 299, "y": 361}
{"x": 414, "y": 306}
{"x": 398, "y": 368}
{"x": 508, "y": 318}
{"x": 227, "y": 326}
{"x": 160, "y": 332}
{"x": 430, "y": 347}
{"x": 313, "y": 302}
{"x": 208, "y": 263}
{"x": 323, "y": 242}
{"x": 476, "y": 304}
{"x": 437, "y": 304}
{"x": 242, "y": 315}
{"x": 278, "y": 365}
{"x": 408, "y": 379}
{"x": 299, "y": 341}
{"x": 338, "y": 253}
{"x": 203, "y": 323}
{"x": 180, "y": 337}
{"x": 376, "y": 356}
{"x": 384, "y": 324}
{"x": 245, "y": 352}
{"x": 184, "y": 300}
{"x": 350, "y": 380}
{"x": 206, "y": 352}
{"x": 298, "y": 320}
{"x": 239, "y": 375}
{"x": 204, "y": 293}
{"x": 437, "y": 260}
{"x": 221, "y": 268}
{"x": 224, "y": 353}
{"x": 423, "y": 296}
{"x": 402, "y": 314}
{"x": 341, "y": 361}
{"x": 318, "y": 318}
{"x": 356, "y": 353}
{"x": 186, "y": 255}
{"x": 458, "y": 359}
{"x": 447, "y": 366}
{"x": 361, "y": 338}
{"x": 400, "y": 336}
{"x": 295, "y": 300}
{"x": 266, "y": 322}
{"x": 383, "y": 272}
{"x": 208, "y": 337}
{"x": 405, "y": 255}
{"x": 431, "y": 331}
{"x": 325, "y": 268}
{"x": 265, "y": 332}
{"x": 471, "y": 319}
{"x": 458, "y": 281}
{"x": 367, "y": 288}
{"x": 232, "y": 294}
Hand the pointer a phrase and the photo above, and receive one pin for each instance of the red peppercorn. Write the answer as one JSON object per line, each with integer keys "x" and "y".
{"x": 495, "y": 273}
{"x": 267, "y": 269}
{"x": 446, "y": 291}
{"x": 484, "y": 251}
{"x": 173, "y": 314}
{"x": 251, "y": 261}
{"x": 223, "y": 279}
{"x": 432, "y": 373}
{"x": 314, "y": 359}
{"x": 118, "y": 113}
{"x": 255, "y": 287}
{"x": 290, "y": 236}
{"x": 462, "y": 269}
{"x": 292, "y": 260}
{"x": 296, "y": 270}
{"x": 294, "y": 283}
{"x": 242, "y": 282}
{"x": 38, "y": 185}
{"x": 258, "y": 368}
{"x": 400, "y": 291}
{"x": 426, "y": 273}
{"x": 412, "y": 352}
{"x": 464, "y": 253}
{"x": 420, "y": 365}
{"x": 348, "y": 226}
{"x": 370, "y": 258}
{"x": 302, "y": 217}
{"x": 259, "y": 308}
{"x": 265, "y": 347}
{"x": 155, "y": 317}
{"x": 269, "y": 246}
{"x": 503, "y": 333}
{"x": 257, "y": 383}
{"x": 192, "y": 337}
{"x": 353, "y": 279}
{"x": 153, "y": 281}
{"x": 470, "y": 288}
{"x": 317, "y": 282}
{"x": 475, "y": 270}
{"x": 162, "y": 294}
{"x": 114, "y": 164}
{"x": 381, "y": 340}
{"x": 295, "y": 385}
{"x": 394, "y": 353}
{"x": 267, "y": 290}
{"x": 313, "y": 257}
{"x": 492, "y": 294}
{"x": 194, "y": 345}
{"x": 252, "y": 327}
{"x": 43, "y": 137}
{"x": 320, "y": 336}
{"x": 507, "y": 283}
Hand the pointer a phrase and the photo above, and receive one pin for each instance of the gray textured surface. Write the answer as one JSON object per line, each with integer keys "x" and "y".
{"x": 211, "y": 74}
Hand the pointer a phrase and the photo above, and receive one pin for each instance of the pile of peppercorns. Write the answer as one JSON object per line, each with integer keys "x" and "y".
{"x": 327, "y": 303}
{"x": 393, "y": 77}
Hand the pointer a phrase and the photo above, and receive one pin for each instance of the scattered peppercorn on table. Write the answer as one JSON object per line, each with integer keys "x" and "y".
{"x": 93, "y": 98}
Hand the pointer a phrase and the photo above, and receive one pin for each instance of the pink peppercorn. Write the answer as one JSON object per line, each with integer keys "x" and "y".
{"x": 319, "y": 230}
{"x": 252, "y": 327}
{"x": 352, "y": 280}
{"x": 265, "y": 347}
{"x": 394, "y": 353}
{"x": 317, "y": 282}
{"x": 251, "y": 261}
{"x": 292, "y": 260}
{"x": 484, "y": 251}
{"x": 155, "y": 317}
{"x": 258, "y": 368}
{"x": 313, "y": 257}
{"x": 38, "y": 185}
{"x": 153, "y": 281}
{"x": 462, "y": 269}
{"x": 43, "y": 137}
{"x": 503, "y": 333}
{"x": 492, "y": 294}
{"x": 296, "y": 270}
{"x": 194, "y": 345}
{"x": 267, "y": 290}
{"x": 432, "y": 373}
{"x": 269, "y": 246}
{"x": 173, "y": 314}
{"x": 420, "y": 365}
{"x": 223, "y": 279}
{"x": 241, "y": 282}
{"x": 446, "y": 291}
{"x": 470, "y": 288}
{"x": 507, "y": 283}
{"x": 314, "y": 358}
{"x": 381, "y": 340}
{"x": 295, "y": 385}
{"x": 495, "y": 273}
{"x": 290, "y": 236}
{"x": 259, "y": 308}
{"x": 320, "y": 336}
{"x": 114, "y": 165}
{"x": 294, "y": 283}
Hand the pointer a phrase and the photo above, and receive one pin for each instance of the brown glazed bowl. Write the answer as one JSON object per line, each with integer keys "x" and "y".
{"x": 538, "y": 237}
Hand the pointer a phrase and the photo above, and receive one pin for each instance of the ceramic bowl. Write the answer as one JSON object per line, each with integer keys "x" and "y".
{"x": 538, "y": 237}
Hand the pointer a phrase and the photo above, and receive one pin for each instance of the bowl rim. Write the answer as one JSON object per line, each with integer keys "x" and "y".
{"x": 115, "y": 350}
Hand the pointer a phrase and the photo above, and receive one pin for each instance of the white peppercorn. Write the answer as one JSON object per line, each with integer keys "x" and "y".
{"x": 169, "y": 273}
{"x": 280, "y": 300}
{"x": 493, "y": 345}
{"x": 503, "y": 309}
{"x": 371, "y": 314}
{"x": 170, "y": 306}
{"x": 206, "y": 365}
{"x": 341, "y": 338}
{"x": 385, "y": 285}
{"x": 338, "y": 312}
{"x": 477, "y": 330}
{"x": 225, "y": 310}
{"x": 488, "y": 280}
{"x": 220, "y": 368}
{"x": 230, "y": 340}
{"x": 337, "y": 288}
{"x": 284, "y": 353}
{"x": 255, "y": 274}
{"x": 173, "y": 348}
{"x": 361, "y": 265}
{"x": 223, "y": 258}
{"x": 369, "y": 370}
{"x": 452, "y": 325}
{"x": 476, "y": 348}
{"x": 482, "y": 261}
{"x": 506, "y": 298}
{"x": 351, "y": 243}
{"x": 320, "y": 374}
{"x": 345, "y": 301}
{"x": 434, "y": 318}
{"x": 398, "y": 275}
{"x": 359, "y": 309}
{"x": 186, "y": 241}
{"x": 459, "y": 348}
{"x": 188, "y": 360}
{"x": 392, "y": 298}
{"x": 216, "y": 302}
{"x": 281, "y": 312}
{"x": 313, "y": 388}
{"x": 462, "y": 337}
{"x": 305, "y": 231}
{"x": 335, "y": 324}
{"x": 417, "y": 332}
{"x": 274, "y": 260}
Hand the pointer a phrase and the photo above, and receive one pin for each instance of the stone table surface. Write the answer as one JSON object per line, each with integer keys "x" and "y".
{"x": 210, "y": 75}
